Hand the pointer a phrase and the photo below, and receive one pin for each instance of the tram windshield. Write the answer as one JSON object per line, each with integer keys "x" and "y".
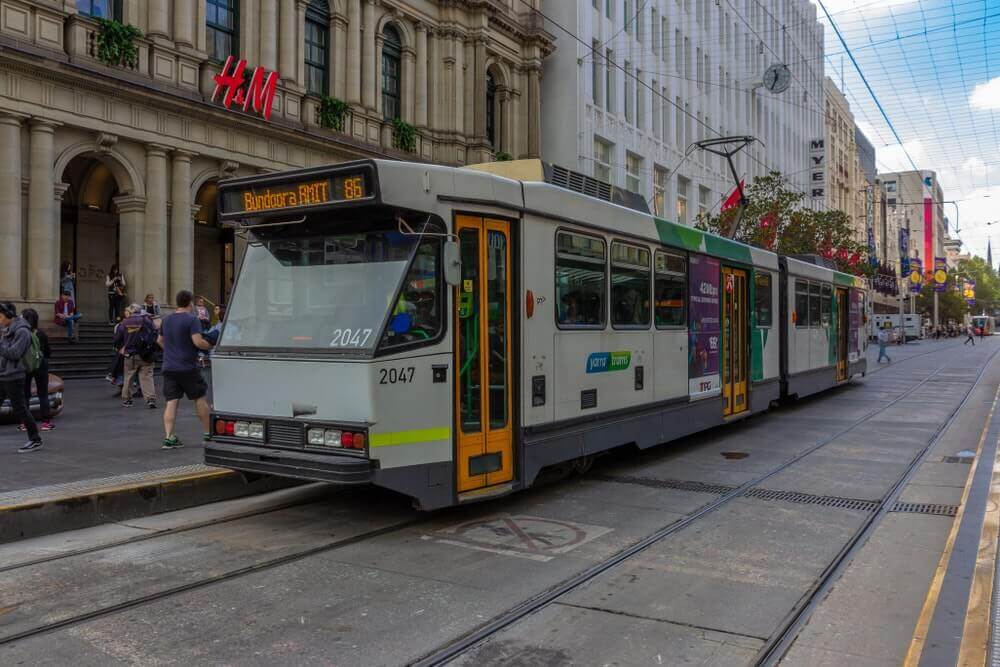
{"x": 317, "y": 291}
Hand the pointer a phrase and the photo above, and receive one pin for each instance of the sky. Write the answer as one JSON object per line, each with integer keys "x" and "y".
{"x": 934, "y": 67}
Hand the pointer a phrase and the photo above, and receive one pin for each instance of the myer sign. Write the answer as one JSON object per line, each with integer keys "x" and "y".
{"x": 817, "y": 169}
{"x": 258, "y": 93}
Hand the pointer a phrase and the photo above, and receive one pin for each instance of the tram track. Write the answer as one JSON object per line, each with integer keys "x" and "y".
{"x": 463, "y": 644}
{"x": 781, "y": 639}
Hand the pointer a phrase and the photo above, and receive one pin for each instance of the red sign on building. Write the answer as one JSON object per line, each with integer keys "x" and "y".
{"x": 259, "y": 93}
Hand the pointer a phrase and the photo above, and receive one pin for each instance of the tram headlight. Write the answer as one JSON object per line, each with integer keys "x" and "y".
{"x": 256, "y": 430}
{"x": 332, "y": 438}
{"x": 241, "y": 430}
{"x": 316, "y": 436}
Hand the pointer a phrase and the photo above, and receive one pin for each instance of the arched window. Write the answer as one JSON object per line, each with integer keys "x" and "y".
{"x": 392, "y": 49}
{"x": 317, "y": 46}
{"x": 221, "y": 21}
{"x": 491, "y": 110}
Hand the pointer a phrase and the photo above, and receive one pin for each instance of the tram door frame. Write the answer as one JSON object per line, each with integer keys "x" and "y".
{"x": 484, "y": 453}
{"x": 843, "y": 324}
{"x": 734, "y": 361}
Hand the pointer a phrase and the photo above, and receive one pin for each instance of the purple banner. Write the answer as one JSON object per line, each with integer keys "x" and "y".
{"x": 916, "y": 275}
{"x": 940, "y": 274}
{"x": 704, "y": 333}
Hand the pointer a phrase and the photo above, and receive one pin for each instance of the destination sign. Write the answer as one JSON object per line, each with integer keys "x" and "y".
{"x": 278, "y": 196}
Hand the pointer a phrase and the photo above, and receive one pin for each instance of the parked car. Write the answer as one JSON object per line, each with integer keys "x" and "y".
{"x": 55, "y": 401}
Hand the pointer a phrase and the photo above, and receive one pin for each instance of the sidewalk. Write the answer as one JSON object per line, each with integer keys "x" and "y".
{"x": 103, "y": 462}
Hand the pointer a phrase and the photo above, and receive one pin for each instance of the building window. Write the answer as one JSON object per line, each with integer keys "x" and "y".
{"x": 682, "y": 200}
{"x": 703, "y": 196}
{"x": 602, "y": 160}
{"x": 491, "y": 110}
{"x": 656, "y": 103}
{"x": 629, "y": 285}
{"x": 659, "y": 191}
{"x": 633, "y": 166}
{"x": 595, "y": 72}
{"x": 670, "y": 289}
{"x": 317, "y": 47}
{"x": 392, "y": 49}
{"x": 640, "y": 102}
{"x": 100, "y": 9}
{"x": 609, "y": 80}
{"x": 609, "y": 8}
{"x": 581, "y": 281}
{"x": 628, "y": 17}
{"x": 221, "y": 20}
{"x": 762, "y": 298}
{"x": 679, "y": 116}
{"x": 890, "y": 186}
{"x": 629, "y": 92}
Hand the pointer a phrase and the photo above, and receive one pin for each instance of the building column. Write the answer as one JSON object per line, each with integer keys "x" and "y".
{"x": 407, "y": 110}
{"x": 479, "y": 90}
{"x": 43, "y": 224}
{"x": 159, "y": 20}
{"x": 353, "y": 59}
{"x": 131, "y": 245}
{"x": 269, "y": 35}
{"x": 181, "y": 226}
{"x": 420, "y": 85}
{"x": 369, "y": 85}
{"x": 338, "y": 56}
{"x": 184, "y": 13}
{"x": 287, "y": 42}
{"x": 300, "y": 43}
{"x": 11, "y": 221}
{"x": 154, "y": 266}
{"x": 534, "y": 110}
{"x": 506, "y": 124}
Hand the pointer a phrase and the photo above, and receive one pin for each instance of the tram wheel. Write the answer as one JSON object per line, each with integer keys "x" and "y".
{"x": 582, "y": 465}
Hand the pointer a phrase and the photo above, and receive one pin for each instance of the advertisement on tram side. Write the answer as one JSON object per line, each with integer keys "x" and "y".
{"x": 704, "y": 330}
{"x": 854, "y": 324}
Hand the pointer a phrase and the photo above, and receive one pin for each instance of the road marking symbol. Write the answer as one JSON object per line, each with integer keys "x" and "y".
{"x": 530, "y": 537}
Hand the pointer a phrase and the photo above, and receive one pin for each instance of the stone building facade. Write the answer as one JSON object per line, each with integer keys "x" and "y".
{"x": 845, "y": 179}
{"x": 108, "y": 163}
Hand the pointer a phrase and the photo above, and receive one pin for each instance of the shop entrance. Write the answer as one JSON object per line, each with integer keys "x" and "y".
{"x": 214, "y": 249}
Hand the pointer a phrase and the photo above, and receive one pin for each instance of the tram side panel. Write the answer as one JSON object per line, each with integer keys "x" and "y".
{"x": 765, "y": 342}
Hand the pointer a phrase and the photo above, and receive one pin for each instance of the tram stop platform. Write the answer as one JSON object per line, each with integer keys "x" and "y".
{"x": 103, "y": 463}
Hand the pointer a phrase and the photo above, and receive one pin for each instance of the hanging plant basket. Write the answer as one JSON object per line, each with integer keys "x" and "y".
{"x": 116, "y": 44}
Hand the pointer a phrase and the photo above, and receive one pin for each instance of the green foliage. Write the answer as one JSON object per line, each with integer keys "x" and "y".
{"x": 951, "y": 303}
{"x": 332, "y": 113}
{"x": 775, "y": 219}
{"x": 116, "y": 44}
{"x": 404, "y": 136}
{"x": 501, "y": 156}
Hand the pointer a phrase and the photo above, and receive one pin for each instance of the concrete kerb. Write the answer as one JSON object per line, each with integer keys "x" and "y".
{"x": 52, "y": 509}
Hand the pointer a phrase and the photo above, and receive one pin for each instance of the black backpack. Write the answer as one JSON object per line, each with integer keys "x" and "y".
{"x": 145, "y": 344}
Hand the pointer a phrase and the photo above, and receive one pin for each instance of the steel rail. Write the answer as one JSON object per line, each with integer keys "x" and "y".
{"x": 453, "y": 649}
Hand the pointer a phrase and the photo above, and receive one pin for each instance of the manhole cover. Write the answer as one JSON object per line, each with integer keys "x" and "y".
{"x": 734, "y": 455}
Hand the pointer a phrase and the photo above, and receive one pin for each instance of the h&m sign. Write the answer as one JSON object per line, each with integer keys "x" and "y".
{"x": 257, "y": 93}
{"x": 817, "y": 169}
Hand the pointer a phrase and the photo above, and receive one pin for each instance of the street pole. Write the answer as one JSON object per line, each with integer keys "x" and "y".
{"x": 902, "y": 325}
{"x": 935, "y": 309}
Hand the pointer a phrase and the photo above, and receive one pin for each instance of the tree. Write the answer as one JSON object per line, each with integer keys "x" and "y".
{"x": 951, "y": 303}
{"x": 775, "y": 219}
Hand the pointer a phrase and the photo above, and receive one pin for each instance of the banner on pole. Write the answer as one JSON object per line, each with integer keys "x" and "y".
{"x": 940, "y": 274}
{"x": 916, "y": 275}
{"x": 969, "y": 292}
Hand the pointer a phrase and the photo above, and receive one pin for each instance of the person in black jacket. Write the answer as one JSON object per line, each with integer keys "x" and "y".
{"x": 14, "y": 343}
{"x": 40, "y": 375}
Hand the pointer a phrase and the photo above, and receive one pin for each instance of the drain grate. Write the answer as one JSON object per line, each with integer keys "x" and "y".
{"x": 677, "y": 484}
{"x": 811, "y": 499}
{"x": 958, "y": 459}
{"x": 926, "y": 508}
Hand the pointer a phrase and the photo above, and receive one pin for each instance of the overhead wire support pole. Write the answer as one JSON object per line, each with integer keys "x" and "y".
{"x": 727, "y": 147}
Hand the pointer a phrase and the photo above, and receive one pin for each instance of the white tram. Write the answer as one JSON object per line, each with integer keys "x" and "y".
{"x": 447, "y": 333}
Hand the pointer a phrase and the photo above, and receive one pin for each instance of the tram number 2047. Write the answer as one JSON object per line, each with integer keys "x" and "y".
{"x": 396, "y": 375}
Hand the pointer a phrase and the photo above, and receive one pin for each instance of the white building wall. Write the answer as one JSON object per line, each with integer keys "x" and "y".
{"x": 707, "y": 58}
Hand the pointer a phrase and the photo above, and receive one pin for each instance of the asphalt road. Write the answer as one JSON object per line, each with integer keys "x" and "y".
{"x": 356, "y": 577}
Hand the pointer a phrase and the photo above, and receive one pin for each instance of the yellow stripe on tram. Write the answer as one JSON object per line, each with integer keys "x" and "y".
{"x": 410, "y": 437}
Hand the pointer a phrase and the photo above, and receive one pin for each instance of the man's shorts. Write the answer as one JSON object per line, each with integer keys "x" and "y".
{"x": 188, "y": 383}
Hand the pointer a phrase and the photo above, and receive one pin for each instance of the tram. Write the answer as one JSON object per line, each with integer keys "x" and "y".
{"x": 984, "y": 323}
{"x": 449, "y": 332}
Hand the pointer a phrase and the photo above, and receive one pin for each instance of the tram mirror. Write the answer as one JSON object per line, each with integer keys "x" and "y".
{"x": 452, "y": 263}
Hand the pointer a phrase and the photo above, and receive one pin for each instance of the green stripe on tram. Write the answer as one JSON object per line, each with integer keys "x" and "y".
{"x": 695, "y": 240}
{"x": 395, "y": 438}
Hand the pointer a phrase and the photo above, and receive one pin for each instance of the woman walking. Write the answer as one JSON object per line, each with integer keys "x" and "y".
{"x": 115, "y": 282}
{"x": 40, "y": 375}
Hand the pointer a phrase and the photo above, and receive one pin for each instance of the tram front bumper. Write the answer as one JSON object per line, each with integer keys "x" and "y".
{"x": 334, "y": 468}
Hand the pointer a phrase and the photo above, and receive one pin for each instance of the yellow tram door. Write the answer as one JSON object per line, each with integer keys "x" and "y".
{"x": 735, "y": 325}
{"x": 843, "y": 325}
{"x": 485, "y": 451}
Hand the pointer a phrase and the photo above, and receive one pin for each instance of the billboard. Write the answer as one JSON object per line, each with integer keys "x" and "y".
{"x": 817, "y": 171}
{"x": 704, "y": 330}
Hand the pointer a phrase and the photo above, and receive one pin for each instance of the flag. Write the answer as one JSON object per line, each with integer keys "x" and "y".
{"x": 733, "y": 200}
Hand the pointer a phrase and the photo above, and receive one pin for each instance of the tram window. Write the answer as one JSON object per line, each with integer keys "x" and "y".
{"x": 630, "y": 297}
{"x": 762, "y": 298}
{"x": 801, "y": 303}
{"x": 670, "y": 288}
{"x": 581, "y": 281}
{"x": 814, "y": 305}
{"x": 416, "y": 316}
{"x": 827, "y": 305}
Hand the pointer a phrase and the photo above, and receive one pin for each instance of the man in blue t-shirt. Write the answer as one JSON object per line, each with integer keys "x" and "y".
{"x": 181, "y": 340}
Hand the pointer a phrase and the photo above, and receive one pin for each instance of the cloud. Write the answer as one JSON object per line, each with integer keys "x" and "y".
{"x": 867, "y": 7}
{"x": 986, "y": 96}
{"x": 893, "y": 157}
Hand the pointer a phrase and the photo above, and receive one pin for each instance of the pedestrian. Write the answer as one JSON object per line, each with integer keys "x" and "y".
{"x": 201, "y": 311}
{"x": 117, "y": 367}
{"x": 115, "y": 284}
{"x": 18, "y": 345}
{"x": 181, "y": 339}
{"x": 971, "y": 336}
{"x": 883, "y": 340}
{"x": 136, "y": 342}
{"x": 40, "y": 375}
{"x": 213, "y": 333}
{"x": 67, "y": 316}
{"x": 151, "y": 307}
{"x": 982, "y": 332}
{"x": 67, "y": 279}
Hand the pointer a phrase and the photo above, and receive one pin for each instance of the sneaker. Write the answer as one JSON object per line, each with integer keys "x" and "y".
{"x": 110, "y": 379}
{"x": 22, "y": 427}
{"x": 46, "y": 426}
{"x": 30, "y": 446}
{"x": 151, "y": 405}
{"x": 173, "y": 442}
{"x": 127, "y": 404}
